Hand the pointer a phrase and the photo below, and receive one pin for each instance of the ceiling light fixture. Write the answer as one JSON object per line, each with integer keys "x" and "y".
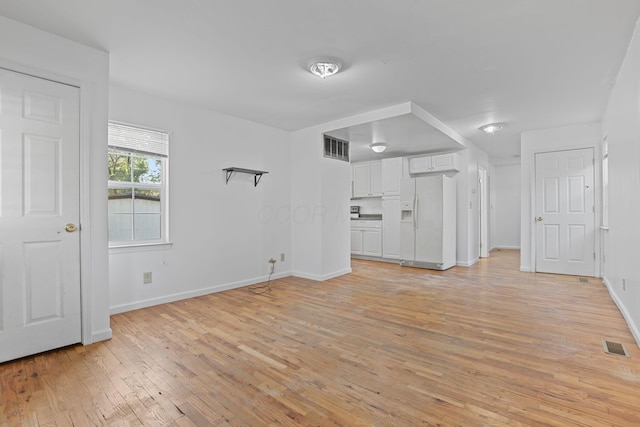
{"x": 324, "y": 66}
{"x": 378, "y": 147}
{"x": 492, "y": 128}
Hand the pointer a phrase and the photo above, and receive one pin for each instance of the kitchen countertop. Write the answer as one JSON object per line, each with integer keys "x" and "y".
{"x": 369, "y": 217}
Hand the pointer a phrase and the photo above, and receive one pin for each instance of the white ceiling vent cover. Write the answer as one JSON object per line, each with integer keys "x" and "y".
{"x": 335, "y": 148}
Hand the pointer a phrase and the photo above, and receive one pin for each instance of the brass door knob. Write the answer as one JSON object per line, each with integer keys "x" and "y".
{"x": 70, "y": 228}
{"x": 539, "y": 219}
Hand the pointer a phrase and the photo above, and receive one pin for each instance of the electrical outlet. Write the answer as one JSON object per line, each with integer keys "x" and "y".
{"x": 282, "y": 257}
{"x": 146, "y": 277}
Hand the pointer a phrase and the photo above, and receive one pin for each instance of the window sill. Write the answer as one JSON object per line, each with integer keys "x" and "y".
{"x": 140, "y": 247}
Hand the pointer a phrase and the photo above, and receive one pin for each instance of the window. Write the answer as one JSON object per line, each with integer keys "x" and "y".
{"x": 137, "y": 165}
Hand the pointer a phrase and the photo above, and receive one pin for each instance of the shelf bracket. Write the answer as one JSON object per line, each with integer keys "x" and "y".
{"x": 257, "y": 175}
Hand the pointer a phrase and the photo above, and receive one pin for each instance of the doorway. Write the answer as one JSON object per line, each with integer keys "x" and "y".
{"x": 565, "y": 212}
{"x": 39, "y": 215}
{"x": 483, "y": 190}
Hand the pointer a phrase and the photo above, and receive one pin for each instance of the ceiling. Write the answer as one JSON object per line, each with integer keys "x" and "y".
{"x": 415, "y": 134}
{"x": 531, "y": 64}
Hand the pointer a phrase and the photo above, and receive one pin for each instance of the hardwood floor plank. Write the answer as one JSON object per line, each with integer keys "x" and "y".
{"x": 385, "y": 346}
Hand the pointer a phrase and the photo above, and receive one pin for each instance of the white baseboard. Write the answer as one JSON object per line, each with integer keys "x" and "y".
{"x": 517, "y": 248}
{"x": 100, "y": 336}
{"x": 525, "y": 269}
{"x": 467, "y": 263}
{"x": 135, "y": 305}
{"x": 632, "y": 326}
{"x": 319, "y": 278}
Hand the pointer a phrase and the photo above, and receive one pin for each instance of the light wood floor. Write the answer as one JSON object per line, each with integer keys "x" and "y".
{"x": 384, "y": 346}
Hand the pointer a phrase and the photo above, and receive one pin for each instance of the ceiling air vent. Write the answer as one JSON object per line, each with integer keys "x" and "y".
{"x": 335, "y": 148}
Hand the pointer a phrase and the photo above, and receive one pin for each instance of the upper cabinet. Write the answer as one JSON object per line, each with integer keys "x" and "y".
{"x": 367, "y": 179}
{"x": 435, "y": 163}
{"x": 391, "y": 176}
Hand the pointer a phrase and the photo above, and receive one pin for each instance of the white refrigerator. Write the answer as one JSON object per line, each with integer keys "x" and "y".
{"x": 428, "y": 222}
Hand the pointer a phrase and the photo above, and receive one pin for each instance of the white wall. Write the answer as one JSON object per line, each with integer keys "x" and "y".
{"x": 321, "y": 191}
{"x": 492, "y": 208}
{"x": 222, "y": 234}
{"x": 369, "y": 205}
{"x": 26, "y": 49}
{"x": 539, "y": 141}
{"x": 507, "y": 207}
{"x": 621, "y": 125}
{"x": 468, "y": 204}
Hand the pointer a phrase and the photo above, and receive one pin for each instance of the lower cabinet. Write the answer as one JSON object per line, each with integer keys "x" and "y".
{"x": 391, "y": 227}
{"x": 366, "y": 238}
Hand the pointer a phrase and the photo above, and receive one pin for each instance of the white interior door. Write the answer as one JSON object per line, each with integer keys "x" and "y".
{"x": 39, "y": 196}
{"x": 565, "y": 212}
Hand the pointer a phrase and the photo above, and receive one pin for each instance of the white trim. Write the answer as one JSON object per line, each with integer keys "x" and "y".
{"x": 467, "y": 263}
{"x": 322, "y": 278}
{"x": 102, "y": 335}
{"x": 140, "y": 247}
{"x": 506, "y": 247}
{"x": 635, "y": 331}
{"x": 525, "y": 269}
{"x": 192, "y": 294}
{"x": 597, "y": 199}
{"x": 86, "y": 97}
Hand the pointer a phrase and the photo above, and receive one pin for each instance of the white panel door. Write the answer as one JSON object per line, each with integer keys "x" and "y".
{"x": 565, "y": 218}
{"x": 39, "y": 196}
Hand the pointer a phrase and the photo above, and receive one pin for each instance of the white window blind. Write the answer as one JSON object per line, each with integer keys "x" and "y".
{"x": 138, "y": 140}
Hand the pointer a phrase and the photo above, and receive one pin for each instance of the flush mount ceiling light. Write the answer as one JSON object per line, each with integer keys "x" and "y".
{"x": 378, "y": 147}
{"x": 492, "y": 128}
{"x": 324, "y": 66}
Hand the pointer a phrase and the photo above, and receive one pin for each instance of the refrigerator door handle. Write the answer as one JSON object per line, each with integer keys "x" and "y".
{"x": 415, "y": 211}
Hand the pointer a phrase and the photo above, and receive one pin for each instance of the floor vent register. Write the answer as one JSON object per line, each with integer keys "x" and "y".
{"x": 614, "y": 348}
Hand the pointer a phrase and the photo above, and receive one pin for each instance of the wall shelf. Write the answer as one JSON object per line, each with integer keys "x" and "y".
{"x": 257, "y": 175}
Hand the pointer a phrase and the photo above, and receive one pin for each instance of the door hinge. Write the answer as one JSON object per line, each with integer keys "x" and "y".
{"x": 594, "y": 256}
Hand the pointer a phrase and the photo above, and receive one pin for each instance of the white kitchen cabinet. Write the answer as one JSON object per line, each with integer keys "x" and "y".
{"x": 444, "y": 162}
{"x": 356, "y": 240}
{"x": 420, "y": 164}
{"x": 366, "y": 237}
{"x": 372, "y": 242}
{"x": 391, "y": 175}
{"x": 391, "y": 227}
{"x": 435, "y": 163}
{"x": 367, "y": 179}
{"x": 376, "y": 179}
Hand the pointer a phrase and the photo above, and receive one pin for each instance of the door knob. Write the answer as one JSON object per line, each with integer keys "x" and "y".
{"x": 70, "y": 228}
{"x": 539, "y": 219}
